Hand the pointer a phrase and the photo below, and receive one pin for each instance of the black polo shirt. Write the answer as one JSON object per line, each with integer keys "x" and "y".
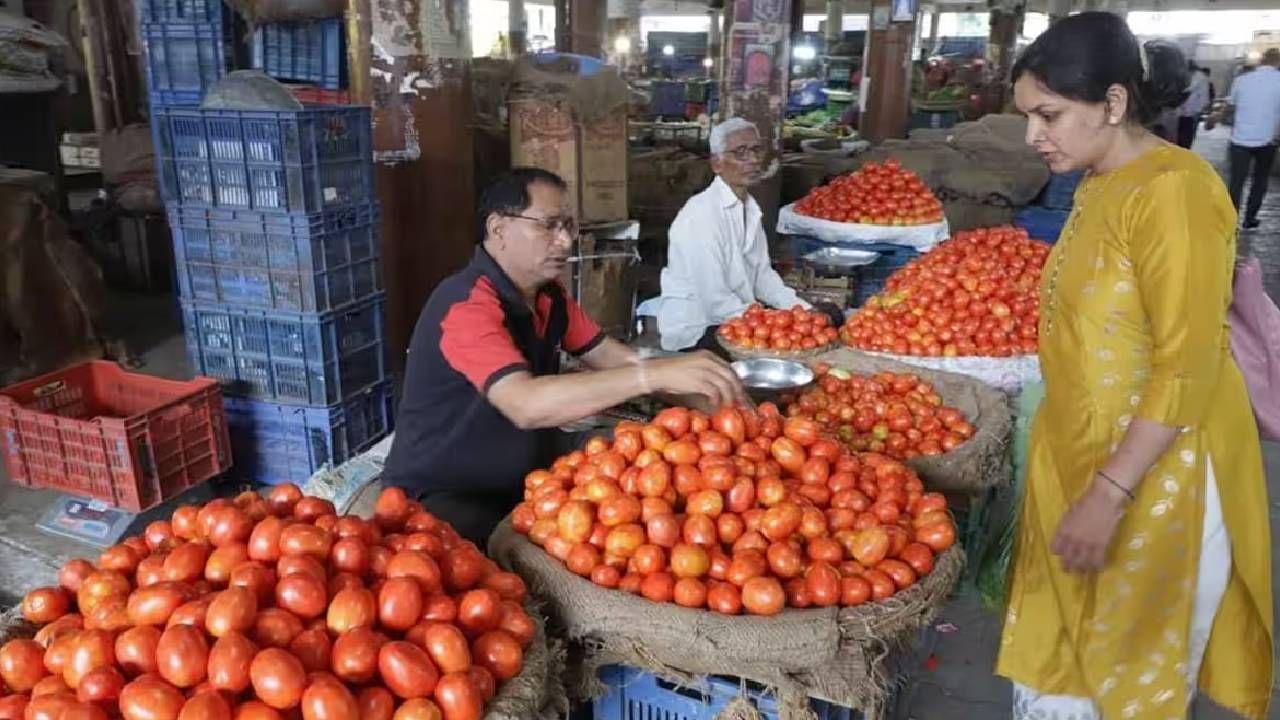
{"x": 476, "y": 329}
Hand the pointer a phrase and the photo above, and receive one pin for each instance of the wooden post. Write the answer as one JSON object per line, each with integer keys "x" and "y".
{"x": 586, "y": 27}
{"x": 95, "y": 65}
{"x": 888, "y": 70}
{"x": 517, "y": 28}
{"x": 415, "y": 72}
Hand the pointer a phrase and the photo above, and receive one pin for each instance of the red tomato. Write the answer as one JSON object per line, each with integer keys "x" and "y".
{"x": 278, "y": 678}
{"x": 354, "y": 656}
{"x": 407, "y": 670}
{"x": 229, "y": 661}
{"x": 182, "y": 656}
{"x": 763, "y": 596}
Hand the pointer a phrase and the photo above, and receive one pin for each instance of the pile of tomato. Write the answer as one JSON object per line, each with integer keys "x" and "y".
{"x": 877, "y": 194}
{"x": 742, "y": 511}
{"x": 782, "y": 331}
{"x": 896, "y": 414}
{"x": 265, "y": 608}
{"x": 977, "y": 294}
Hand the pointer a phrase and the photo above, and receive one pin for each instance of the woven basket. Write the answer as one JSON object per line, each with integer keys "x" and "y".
{"x": 741, "y": 353}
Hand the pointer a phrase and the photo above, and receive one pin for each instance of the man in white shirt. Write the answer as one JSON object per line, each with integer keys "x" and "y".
{"x": 718, "y": 256}
{"x": 1193, "y": 107}
{"x": 1255, "y": 96}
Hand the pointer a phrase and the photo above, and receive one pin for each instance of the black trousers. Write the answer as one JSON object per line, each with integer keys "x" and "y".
{"x": 1242, "y": 159}
{"x": 1187, "y": 127}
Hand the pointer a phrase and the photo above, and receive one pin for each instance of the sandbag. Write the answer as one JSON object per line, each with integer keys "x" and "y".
{"x": 979, "y": 463}
{"x": 256, "y": 12}
{"x": 249, "y": 90}
{"x": 843, "y": 655}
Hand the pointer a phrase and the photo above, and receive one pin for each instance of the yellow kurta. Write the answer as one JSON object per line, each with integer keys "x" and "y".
{"x": 1133, "y": 324}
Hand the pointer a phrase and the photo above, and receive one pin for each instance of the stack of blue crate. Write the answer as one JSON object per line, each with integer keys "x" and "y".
{"x": 275, "y": 240}
{"x": 1045, "y": 218}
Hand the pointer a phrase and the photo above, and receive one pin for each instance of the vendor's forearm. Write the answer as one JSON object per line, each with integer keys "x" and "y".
{"x": 553, "y": 400}
{"x": 1144, "y": 443}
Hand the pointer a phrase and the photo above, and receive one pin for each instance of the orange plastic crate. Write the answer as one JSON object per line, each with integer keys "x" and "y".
{"x": 99, "y": 431}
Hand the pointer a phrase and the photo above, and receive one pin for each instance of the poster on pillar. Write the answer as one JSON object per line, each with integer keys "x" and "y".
{"x": 904, "y": 10}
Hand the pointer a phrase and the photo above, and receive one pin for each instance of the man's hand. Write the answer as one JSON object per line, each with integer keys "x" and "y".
{"x": 701, "y": 374}
{"x": 1085, "y": 533}
{"x": 833, "y": 312}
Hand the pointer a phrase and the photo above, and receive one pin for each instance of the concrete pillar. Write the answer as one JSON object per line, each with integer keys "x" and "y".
{"x": 517, "y": 28}
{"x": 634, "y": 11}
{"x": 887, "y": 75}
{"x": 587, "y": 27}
{"x": 935, "y": 19}
{"x": 1002, "y": 42}
{"x": 835, "y": 22}
{"x": 420, "y": 91}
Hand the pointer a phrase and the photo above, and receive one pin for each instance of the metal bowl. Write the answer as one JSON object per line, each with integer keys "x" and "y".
{"x": 767, "y": 379}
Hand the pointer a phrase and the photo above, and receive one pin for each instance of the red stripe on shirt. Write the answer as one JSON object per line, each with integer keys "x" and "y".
{"x": 475, "y": 341}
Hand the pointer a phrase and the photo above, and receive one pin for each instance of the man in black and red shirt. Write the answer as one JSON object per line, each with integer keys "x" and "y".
{"x": 483, "y": 394}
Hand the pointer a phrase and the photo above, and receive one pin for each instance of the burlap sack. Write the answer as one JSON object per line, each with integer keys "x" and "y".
{"x": 979, "y": 463}
{"x": 840, "y": 655}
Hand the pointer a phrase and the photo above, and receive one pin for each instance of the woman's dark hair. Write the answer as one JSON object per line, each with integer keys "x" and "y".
{"x": 1080, "y": 57}
{"x": 509, "y": 194}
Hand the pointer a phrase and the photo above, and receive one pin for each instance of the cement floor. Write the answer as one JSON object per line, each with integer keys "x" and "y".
{"x": 959, "y": 686}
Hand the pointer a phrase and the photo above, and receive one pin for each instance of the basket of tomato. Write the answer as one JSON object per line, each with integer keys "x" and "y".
{"x": 881, "y": 202}
{"x": 721, "y": 544}
{"x": 276, "y": 607}
{"x": 764, "y": 333}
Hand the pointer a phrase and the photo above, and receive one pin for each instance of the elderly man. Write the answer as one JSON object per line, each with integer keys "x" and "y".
{"x": 718, "y": 257}
{"x": 482, "y": 392}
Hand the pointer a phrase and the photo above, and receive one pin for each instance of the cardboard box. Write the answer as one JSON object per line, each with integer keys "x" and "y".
{"x": 591, "y": 157}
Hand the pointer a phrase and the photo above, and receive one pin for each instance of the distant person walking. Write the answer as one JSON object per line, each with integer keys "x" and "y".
{"x": 1193, "y": 107}
{"x": 1255, "y": 98}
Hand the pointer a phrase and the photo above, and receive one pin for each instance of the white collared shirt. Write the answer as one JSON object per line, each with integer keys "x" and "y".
{"x": 717, "y": 264}
{"x": 1198, "y": 97}
{"x": 1256, "y": 97}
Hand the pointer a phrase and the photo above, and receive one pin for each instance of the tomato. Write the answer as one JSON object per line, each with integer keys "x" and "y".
{"x": 583, "y": 559}
{"x": 229, "y": 525}
{"x": 574, "y": 521}
{"x": 606, "y": 576}
{"x": 313, "y": 649}
{"x": 229, "y": 659}
{"x": 135, "y": 650}
{"x": 447, "y": 647}
{"x": 919, "y": 556}
{"x": 407, "y": 670}
{"x": 182, "y": 656}
{"x": 186, "y": 563}
{"x": 303, "y": 539}
{"x": 375, "y": 703}
{"x": 100, "y": 684}
{"x": 328, "y": 699}
{"x": 690, "y": 592}
{"x": 351, "y": 609}
{"x": 275, "y": 627}
{"x": 901, "y": 573}
{"x": 193, "y": 614}
{"x": 823, "y": 583}
{"x": 498, "y": 652}
{"x": 391, "y": 509}
{"x": 310, "y": 509}
{"x": 462, "y": 569}
{"x": 278, "y": 678}
{"x": 264, "y": 540}
{"x": 938, "y": 536}
{"x": 746, "y": 564}
{"x": 44, "y": 605}
{"x": 73, "y": 573}
{"x": 763, "y": 596}
{"x": 479, "y": 610}
{"x": 13, "y": 707}
{"x": 150, "y": 698}
{"x": 700, "y": 530}
{"x": 854, "y": 591}
{"x": 302, "y": 595}
{"x": 784, "y": 559}
{"x": 724, "y": 598}
{"x": 232, "y": 610}
{"x": 882, "y": 586}
{"x": 419, "y": 709}
{"x": 658, "y": 587}
{"x": 870, "y": 546}
{"x": 354, "y": 656}
{"x": 418, "y": 566}
{"x": 399, "y": 603}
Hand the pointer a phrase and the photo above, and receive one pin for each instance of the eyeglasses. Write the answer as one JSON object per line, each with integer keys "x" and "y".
{"x": 552, "y": 224}
{"x": 746, "y": 152}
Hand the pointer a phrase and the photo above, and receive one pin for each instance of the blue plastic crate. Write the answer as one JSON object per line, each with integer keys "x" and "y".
{"x": 636, "y": 695}
{"x": 1042, "y": 223}
{"x": 289, "y": 262}
{"x": 203, "y": 12}
{"x": 273, "y": 443}
{"x": 934, "y": 119}
{"x": 1060, "y": 192}
{"x": 872, "y": 278}
{"x": 183, "y": 60}
{"x": 312, "y": 52}
{"x": 299, "y": 358}
{"x": 303, "y": 161}
{"x": 667, "y": 98}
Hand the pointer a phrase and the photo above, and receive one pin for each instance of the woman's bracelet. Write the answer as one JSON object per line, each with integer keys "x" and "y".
{"x": 1127, "y": 492}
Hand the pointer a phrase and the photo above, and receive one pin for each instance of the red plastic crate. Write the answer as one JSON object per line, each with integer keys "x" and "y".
{"x": 312, "y": 95}
{"x": 99, "y": 431}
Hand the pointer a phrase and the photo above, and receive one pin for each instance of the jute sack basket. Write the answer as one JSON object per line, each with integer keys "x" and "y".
{"x": 981, "y": 462}
{"x": 537, "y": 693}
{"x": 840, "y": 655}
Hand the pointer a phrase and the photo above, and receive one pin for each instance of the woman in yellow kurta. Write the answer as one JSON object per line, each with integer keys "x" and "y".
{"x": 1142, "y": 567}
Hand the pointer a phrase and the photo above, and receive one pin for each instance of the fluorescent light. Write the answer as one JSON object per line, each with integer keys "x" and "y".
{"x": 622, "y": 45}
{"x": 668, "y": 50}
{"x": 708, "y": 62}
{"x": 804, "y": 52}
